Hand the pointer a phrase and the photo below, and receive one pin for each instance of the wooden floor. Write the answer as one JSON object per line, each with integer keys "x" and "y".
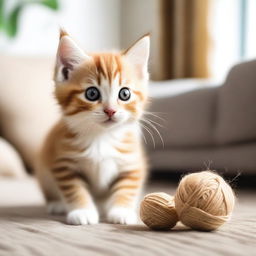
{"x": 25, "y": 229}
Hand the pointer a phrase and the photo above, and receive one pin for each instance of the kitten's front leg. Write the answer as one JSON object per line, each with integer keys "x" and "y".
{"x": 125, "y": 192}
{"x": 80, "y": 205}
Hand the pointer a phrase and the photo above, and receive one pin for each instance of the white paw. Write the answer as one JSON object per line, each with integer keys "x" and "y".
{"x": 83, "y": 216}
{"x": 122, "y": 215}
{"x": 56, "y": 208}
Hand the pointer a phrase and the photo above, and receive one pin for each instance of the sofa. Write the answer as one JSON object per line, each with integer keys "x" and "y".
{"x": 204, "y": 125}
{"x": 208, "y": 126}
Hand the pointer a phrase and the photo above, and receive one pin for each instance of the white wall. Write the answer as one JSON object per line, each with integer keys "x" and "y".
{"x": 251, "y": 30}
{"x": 107, "y": 24}
{"x": 224, "y": 29}
{"x": 225, "y": 35}
{"x": 95, "y": 24}
{"x": 138, "y": 17}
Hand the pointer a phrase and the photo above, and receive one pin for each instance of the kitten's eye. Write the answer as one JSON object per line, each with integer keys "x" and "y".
{"x": 124, "y": 94}
{"x": 65, "y": 73}
{"x": 92, "y": 94}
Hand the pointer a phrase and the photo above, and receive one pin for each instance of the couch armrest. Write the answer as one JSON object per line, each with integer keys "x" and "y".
{"x": 236, "y": 114}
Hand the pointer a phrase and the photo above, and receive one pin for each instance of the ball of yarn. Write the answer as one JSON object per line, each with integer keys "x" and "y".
{"x": 157, "y": 211}
{"x": 204, "y": 201}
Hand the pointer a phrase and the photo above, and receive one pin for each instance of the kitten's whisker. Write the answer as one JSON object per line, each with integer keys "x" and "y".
{"x": 153, "y": 112}
{"x": 151, "y": 135}
{"x": 144, "y": 138}
{"x": 152, "y": 121}
{"x": 141, "y": 132}
{"x": 154, "y": 115}
{"x": 157, "y": 131}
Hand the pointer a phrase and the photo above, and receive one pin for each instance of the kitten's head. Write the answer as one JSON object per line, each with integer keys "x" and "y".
{"x": 102, "y": 89}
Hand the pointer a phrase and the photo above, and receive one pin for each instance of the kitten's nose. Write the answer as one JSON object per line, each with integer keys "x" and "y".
{"x": 109, "y": 111}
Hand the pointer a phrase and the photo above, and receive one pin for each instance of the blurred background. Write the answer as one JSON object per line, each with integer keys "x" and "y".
{"x": 209, "y": 35}
{"x": 203, "y": 94}
{"x": 207, "y": 113}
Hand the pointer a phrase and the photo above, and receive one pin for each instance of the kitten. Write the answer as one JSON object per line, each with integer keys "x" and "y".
{"x": 95, "y": 151}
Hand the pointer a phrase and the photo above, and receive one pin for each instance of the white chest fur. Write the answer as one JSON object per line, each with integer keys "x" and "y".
{"x": 101, "y": 163}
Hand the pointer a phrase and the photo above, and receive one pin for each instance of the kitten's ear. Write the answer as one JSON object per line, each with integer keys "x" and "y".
{"x": 138, "y": 55}
{"x": 69, "y": 56}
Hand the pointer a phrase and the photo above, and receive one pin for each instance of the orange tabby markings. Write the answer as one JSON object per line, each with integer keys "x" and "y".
{"x": 88, "y": 152}
{"x": 66, "y": 177}
{"x": 124, "y": 150}
{"x": 131, "y": 107}
{"x": 140, "y": 95}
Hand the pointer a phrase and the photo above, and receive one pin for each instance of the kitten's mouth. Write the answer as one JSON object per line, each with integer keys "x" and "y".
{"x": 109, "y": 121}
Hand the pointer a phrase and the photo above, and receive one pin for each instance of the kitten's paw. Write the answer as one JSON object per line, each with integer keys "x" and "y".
{"x": 56, "y": 208}
{"x": 122, "y": 215}
{"x": 83, "y": 216}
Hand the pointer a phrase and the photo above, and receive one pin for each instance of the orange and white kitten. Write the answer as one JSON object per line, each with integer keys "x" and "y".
{"x": 94, "y": 155}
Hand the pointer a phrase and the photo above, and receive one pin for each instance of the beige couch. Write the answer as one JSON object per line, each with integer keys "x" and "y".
{"x": 203, "y": 124}
{"x": 209, "y": 125}
{"x": 27, "y": 106}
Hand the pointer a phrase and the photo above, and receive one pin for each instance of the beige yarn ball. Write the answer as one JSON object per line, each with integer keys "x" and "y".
{"x": 157, "y": 211}
{"x": 204, "y": 201}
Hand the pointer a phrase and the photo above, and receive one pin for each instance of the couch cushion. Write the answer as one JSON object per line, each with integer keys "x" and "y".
{"x": 27, "y": 107}
{"x": 11, "y": 163}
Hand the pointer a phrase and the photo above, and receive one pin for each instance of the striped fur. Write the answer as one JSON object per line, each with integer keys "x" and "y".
{"x": 89, "y": 156}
